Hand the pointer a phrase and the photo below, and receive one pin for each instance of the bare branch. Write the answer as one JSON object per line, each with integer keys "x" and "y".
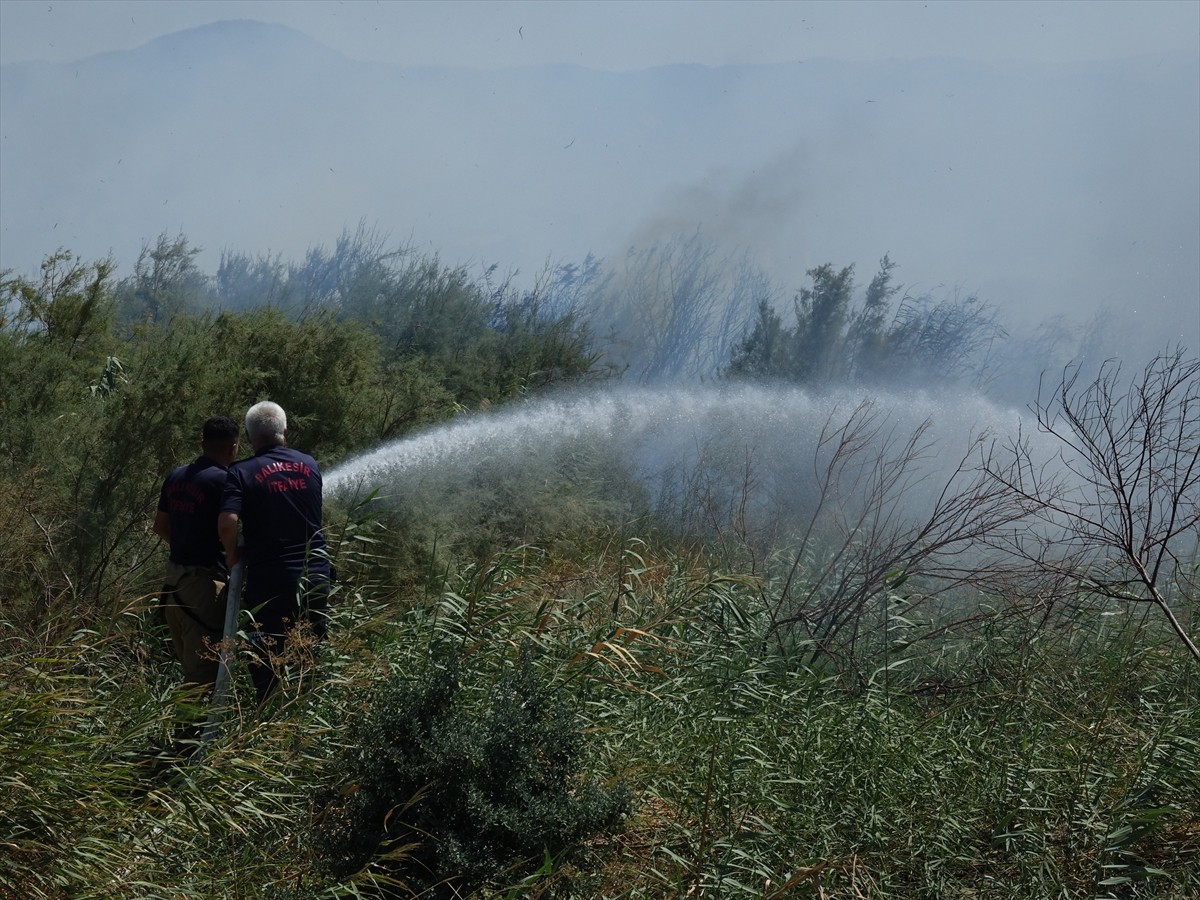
{"x": 1123, "y": 511}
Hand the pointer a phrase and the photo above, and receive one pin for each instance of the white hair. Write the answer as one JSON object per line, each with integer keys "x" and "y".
{"x": 266, "y": 423}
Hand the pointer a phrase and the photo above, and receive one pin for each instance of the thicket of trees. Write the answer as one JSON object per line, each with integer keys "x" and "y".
{"x": 106, "y": 381}
{"x": 920, "y": 342}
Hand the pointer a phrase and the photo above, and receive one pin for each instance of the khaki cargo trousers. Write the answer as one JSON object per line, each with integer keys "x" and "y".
{"x": 193, "y": 602}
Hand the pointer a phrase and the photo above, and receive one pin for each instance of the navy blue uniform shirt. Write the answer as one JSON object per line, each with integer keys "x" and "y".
{"x": 277, "y": 496}
{"x": 191, "y": 498}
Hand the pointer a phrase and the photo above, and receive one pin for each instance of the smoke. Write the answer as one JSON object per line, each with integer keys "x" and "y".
{"x": 1046, "y": 189}
{"x": 741, "y": 212}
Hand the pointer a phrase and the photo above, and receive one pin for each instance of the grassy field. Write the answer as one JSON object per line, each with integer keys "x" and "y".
{"x": 994, "y": 747}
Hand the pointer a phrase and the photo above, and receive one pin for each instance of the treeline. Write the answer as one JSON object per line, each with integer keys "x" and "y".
{"x": 679, "y": 310}
{"x": 106, "y": 378}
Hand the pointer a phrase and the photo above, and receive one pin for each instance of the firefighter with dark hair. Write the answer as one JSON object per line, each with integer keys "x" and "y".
{"x": 193, "y": 596}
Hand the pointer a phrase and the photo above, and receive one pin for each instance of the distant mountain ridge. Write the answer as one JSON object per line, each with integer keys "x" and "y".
{"x": 1046, "y": 186}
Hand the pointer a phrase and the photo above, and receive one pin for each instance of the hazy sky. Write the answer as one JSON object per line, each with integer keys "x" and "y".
{"x": 620, "y": 35}
{"x": 1049, "y": 195}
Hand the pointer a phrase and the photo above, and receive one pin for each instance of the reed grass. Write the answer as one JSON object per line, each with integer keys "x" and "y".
{"x": 1023, "y": 749}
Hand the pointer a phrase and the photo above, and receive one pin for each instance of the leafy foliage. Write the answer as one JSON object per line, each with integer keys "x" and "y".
{"x": 471, "y": 789}
{"x": 478, "y": 343}
{"x": 166, "y": 282}
{"x": 922, "y": 342}
{"x": 106, "y": 384}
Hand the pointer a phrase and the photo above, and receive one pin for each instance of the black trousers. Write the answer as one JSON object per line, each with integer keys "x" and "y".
{"x": 279, "y": 605}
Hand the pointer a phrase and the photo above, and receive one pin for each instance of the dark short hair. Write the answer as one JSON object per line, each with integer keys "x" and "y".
{"x": 220, "y": 430}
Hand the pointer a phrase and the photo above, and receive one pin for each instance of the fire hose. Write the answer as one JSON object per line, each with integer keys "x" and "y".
{"x": 227, "y": 651}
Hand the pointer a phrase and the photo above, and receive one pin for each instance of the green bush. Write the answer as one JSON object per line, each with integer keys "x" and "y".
{"x": 445, "y": 786}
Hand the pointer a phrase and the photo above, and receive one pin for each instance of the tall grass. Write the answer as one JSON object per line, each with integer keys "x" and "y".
{"x": 1024, "y": 749}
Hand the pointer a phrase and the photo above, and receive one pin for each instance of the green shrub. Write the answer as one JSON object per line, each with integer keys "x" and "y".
{"x": 448, "y": 783}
